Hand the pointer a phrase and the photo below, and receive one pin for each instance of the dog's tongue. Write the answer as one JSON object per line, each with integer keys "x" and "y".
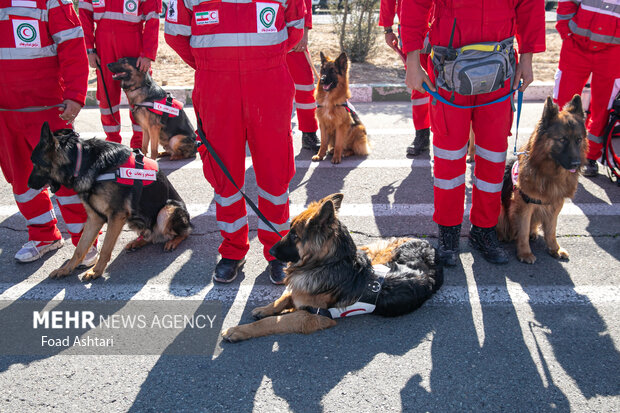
{"x": 326, "y": 87}
{"x": 572, "y": 170}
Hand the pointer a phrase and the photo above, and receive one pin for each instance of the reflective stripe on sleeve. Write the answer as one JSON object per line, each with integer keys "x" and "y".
{"x": 305, "y": 105}
{"x": 73, "y": 33}
{"x": 308, "y": 88}
{"x": 175, "y": 29}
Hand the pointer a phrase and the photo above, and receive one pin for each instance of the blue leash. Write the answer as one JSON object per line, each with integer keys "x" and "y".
{"x": 503, "y": 98}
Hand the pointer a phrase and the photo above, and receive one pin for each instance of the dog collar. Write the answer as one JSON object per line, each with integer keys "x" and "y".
{"x": 367, "y": 302}
{"x": 514, "y": 175}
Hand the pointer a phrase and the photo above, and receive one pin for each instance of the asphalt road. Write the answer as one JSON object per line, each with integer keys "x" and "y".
{"x": 519, "y": 337}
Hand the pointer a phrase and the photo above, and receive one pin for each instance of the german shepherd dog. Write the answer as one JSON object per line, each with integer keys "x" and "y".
{"x": 547, "y": 174}
{"x": 157, "y": 213}
{"x": 342, "y": 132}
{"x": 327, "y": 271}
{"x": 176, "y": 134}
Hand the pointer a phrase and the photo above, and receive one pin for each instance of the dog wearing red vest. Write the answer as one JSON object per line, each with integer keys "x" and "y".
{"x": 162, "y": 118}
{"x": 116, "y": 187}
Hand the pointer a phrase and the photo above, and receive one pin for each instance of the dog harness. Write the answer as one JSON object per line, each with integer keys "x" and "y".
{"x": 514, "y": 175}
{"x": 137, "y": 170}
{"x": 366, "y": 304}
{"x": 166, "y": 107}
{"x": 347, "y": 105}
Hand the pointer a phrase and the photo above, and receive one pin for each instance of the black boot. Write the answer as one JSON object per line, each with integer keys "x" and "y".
{"x": 276, "y": 272}
{"x": 309, "y": 140}
{"x": 485, "y": 240}
{"x": 448, "y": 249}
{"x": 420, "y": 143}
{"x": 226, "y": 270}
{"x": 590, "y": 168}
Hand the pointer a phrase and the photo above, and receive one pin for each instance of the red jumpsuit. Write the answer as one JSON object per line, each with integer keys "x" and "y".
{"x": 124, "y": 28}
{"x": 493, "y": 21}
{"x": 419, "y": 100}
{"x": 43, "y": 62}
{"x": 304, "y": 82}
{"x": 244, "y": 94}
{"x": 590, "y": 31}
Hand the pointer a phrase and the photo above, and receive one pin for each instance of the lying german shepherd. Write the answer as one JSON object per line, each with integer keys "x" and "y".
{"x": 342, "y": 132}
{"x": 328, "y": 277}
{"x": 547, "y": 174}
{"x": 162, "y": 121}
{"x": 96, "y": 170}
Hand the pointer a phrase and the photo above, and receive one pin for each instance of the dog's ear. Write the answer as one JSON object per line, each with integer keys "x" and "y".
{"x": 575, "y": 107}
{"x": 47, "y": 137}
{"x": 323, "y": 59}
{"x": 342, "y": 63}
{"x": 550, "y": 113}
{"x": 336, "y": 199}
{"x": 327, "y": 214}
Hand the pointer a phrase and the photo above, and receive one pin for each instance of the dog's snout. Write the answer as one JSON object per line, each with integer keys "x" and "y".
{"x": 576, "y": 163}
{"x": 273, "y": 250}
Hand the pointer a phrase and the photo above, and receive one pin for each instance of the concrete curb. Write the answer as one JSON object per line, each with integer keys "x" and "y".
{"x": 360, "y": 93}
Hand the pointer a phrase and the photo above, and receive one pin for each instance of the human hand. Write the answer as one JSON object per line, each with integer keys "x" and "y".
{"x": 392, "y": 40}
{"x": 93, "y": 60}
{"x": 303, "y": 43}
{"x": 70, "y": 112}
{"x": 144, "y": 64}
{"x": 524, "y": 72}
{"x": 416, "y": 75}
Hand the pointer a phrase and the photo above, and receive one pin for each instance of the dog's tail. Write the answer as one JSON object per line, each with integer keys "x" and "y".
{"x": 507, "y": 187}
{"x": 416, "y": 273}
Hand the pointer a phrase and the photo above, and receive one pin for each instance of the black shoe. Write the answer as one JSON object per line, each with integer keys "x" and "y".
{"x": 226, "y": 270}
{"x": 309, "y": 140}
{"x": 448, "y": 249}
{"x": 420, "y": 143}
{"x": 590, "y": 168}
{"x": 276, "y": 272}
{"x": 485, "y": 240}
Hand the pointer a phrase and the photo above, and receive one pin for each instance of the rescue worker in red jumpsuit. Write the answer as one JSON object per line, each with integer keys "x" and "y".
{"x": 115, "y": 29}
{"x": 244, "y": 94}
{"x": 590, "y": 32}
{"x": 471, "y": 22}
{"x": 419, "y": 101}
{"x": 300, "y": 69}
{"x": 43, "y": 63}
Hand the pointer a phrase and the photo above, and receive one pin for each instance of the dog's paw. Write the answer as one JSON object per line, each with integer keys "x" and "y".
{"x": 60, "y": 272}
{"x": 336, "y": 159}
{"x": 135, "y": 244}
{"x": 164, "y": 154}
{"x": 234, "y": 334}
{"x": 560, "y": 253}
{"x": 317, "y": 158}
{"x": 92, "y": 274}
{"x": 527, "y": 258}
{"x": 260, "y": 312}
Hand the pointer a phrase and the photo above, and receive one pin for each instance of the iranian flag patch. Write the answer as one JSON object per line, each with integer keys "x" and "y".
{"x": 207, "y": 17}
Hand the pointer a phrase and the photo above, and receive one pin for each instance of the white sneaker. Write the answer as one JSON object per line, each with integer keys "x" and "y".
{"x": 90, "y": 258}
{"x": 33, "y": 250}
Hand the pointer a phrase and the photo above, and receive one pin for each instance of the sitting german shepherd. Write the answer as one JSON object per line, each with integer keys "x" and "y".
{"x": 161, "y": 118}
{"x": 536, "y": 185}
{"x": 101, "y": 173}
{"x": 328, "y": 277}
{"x": 342, "y": 132}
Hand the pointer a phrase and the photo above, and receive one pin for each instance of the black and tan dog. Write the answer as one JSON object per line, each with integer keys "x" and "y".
{"x": 162, "y": 121}
{"x": 536, "y": 185}
{"x": 94, "y": 169}
{"x": 342, "y": 131}
{"x": 328, "y": 277}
